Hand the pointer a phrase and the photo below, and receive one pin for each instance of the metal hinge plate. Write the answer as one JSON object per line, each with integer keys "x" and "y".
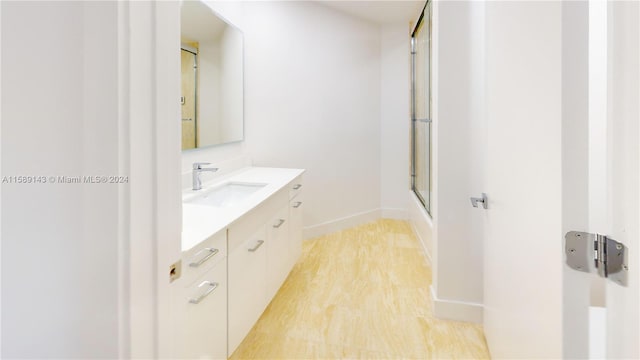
{"x": 595, "y": 253}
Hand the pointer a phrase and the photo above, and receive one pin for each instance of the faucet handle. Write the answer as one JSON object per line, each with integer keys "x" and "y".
{"x": 198, "y": 165}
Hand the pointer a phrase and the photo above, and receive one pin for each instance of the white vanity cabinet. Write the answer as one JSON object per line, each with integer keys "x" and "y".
{"x": 258, "y": 263}
{"x": 296, "y": 204}
{"x": 279, "y": 254}
{"x": 247, "y": 283}
{"x": 256, "y": 245}
{"x": 204, "y": 300}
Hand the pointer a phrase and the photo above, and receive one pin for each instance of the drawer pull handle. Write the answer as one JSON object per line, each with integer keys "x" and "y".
{"x": 253, "y": 249}
{"x": 297, "y": 186}
{"x": 211, "y": 251}
{"x": 297, "y": 204}
{"x": 280, "y": 222}
{"x": 212, "y": 286}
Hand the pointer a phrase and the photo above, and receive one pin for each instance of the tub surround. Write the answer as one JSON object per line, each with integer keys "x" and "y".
{"x": 199, "y": 222}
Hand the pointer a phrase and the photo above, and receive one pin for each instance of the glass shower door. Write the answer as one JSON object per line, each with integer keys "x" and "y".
{"x": 421, "y": 109}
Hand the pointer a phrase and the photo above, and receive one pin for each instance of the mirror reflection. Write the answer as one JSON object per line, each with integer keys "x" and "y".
{"x": 212, "y": 78}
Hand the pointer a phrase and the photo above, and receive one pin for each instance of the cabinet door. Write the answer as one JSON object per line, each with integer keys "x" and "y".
{"x": 278, "y": 256}
{"x": 247, "y": 286}
{"x": 204, "y": 335}
{"x": 295, "y": 228}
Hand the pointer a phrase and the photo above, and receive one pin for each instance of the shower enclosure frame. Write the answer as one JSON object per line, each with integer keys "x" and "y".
{"x": 424, "y": 198}
{"x": 194, "y": 52}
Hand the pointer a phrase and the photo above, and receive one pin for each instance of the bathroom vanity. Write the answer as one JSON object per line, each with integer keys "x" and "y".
{"x": 242, "y": 235}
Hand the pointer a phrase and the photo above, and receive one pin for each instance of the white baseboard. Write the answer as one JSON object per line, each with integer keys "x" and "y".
{"x": 456, "y": 310}
{"x": 340, "y": 224}
{"x": 394, "y": 213}
{"x": 354, "y": 220}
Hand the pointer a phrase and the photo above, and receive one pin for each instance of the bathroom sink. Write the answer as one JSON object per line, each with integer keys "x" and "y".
{"x": 226, "y": 195}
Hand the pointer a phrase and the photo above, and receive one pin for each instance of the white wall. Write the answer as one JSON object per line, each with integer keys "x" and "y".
{"x": 597, "y": 115}
{"x": 86, "y": 92}
{"x": 395, "y": 109}
{"x": 59, "y": 241}
{"x": 575, "y": 174}
{"x": 321, "y": 97}
{"x": 623, "y": 303}
{"x": 523, "y": 267}
{"x": 459, "y": 138}
{"x": 316, "y": 107}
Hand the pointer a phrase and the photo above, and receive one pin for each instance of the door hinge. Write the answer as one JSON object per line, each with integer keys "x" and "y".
{"x": 596, "y": 253}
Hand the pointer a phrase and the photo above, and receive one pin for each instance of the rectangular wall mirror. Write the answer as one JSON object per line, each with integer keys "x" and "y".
{"x": 212, "y": 91}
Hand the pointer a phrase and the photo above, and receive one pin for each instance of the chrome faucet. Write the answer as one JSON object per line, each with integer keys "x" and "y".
{"x": 197, "y": 169}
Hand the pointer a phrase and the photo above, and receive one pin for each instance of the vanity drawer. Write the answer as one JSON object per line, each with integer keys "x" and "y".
{"x": 204, "y": 256}
{"x": 203, "y": 305}
{"x": 295, "y": 187}
{"x": 240, "y": 230}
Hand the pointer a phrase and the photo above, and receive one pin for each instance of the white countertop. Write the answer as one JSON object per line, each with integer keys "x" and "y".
{"x": 199, "y": 222}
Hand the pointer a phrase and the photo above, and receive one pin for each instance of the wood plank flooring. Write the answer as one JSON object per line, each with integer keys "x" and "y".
{"x": 361, "y": 293}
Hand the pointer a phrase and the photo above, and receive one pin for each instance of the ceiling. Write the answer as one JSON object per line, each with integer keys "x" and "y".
{"x": 199, "y": 23}
{"x": 379, "y": 12}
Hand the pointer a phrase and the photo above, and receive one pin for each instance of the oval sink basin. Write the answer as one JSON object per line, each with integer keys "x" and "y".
{"x": 226, "y": 195}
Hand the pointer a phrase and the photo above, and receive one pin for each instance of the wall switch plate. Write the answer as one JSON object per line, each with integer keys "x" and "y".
{"x": 175, "y": 270}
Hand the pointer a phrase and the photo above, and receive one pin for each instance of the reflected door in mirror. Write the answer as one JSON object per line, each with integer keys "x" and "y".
{"x": 188, "y": 99}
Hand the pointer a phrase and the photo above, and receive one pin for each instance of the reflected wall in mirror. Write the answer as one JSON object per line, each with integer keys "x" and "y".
{"x": 212, "y": 78}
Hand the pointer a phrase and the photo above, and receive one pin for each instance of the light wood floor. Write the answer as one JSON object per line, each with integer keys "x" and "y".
{"x": 360, "y": 293}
